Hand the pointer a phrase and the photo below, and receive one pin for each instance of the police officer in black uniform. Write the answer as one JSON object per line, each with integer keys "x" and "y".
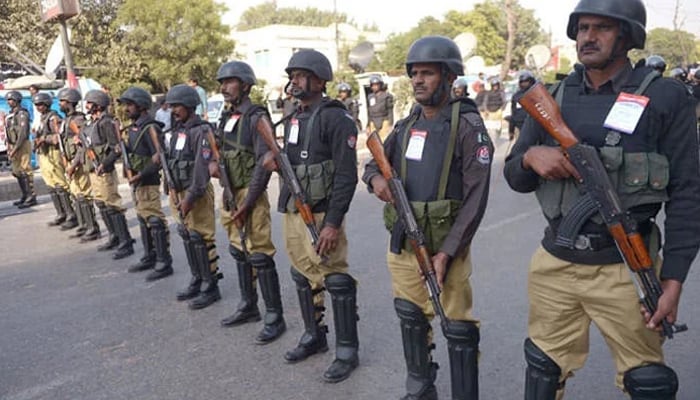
{"x": 517, "y": 114}
{"x": 656, "y": 62}
{"x": 345, "y": 97}
{"x": 652, "y": 163}
{"x": 243, "y": 149}
{"x": 192, "y": 162}
{"x": 455, "y": 203}
{"x": 380, "y": 107}
{"x": 20, "y": 148}
{"x": 144, "y": 160}
{"x": 103, "y": 144}
{"x": 320, "y": 143}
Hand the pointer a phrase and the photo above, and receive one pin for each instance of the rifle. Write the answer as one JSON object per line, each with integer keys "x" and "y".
{"x": 290, "y": 179}
{"x": 172, "y": 191}
{"x": 126, "y": 164}
{"x": 415, "y": 236}
{"x": 89, "y": 152}
{"x": 229, "y": 196}
{"x": 544, "y": 109}
{"x": 62, "y": 150}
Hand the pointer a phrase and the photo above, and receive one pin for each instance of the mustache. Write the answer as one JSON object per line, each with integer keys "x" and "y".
{"x": 589, "y": 46}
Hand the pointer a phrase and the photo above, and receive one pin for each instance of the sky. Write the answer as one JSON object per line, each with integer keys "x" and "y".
{"x": 392, "y": 16}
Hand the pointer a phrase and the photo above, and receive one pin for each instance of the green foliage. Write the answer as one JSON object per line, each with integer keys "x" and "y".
{"x": 268, "y": 14}
{"x": 676, "y": 47}
{"x": 393, "y": 58}
{"x": 22, "y": 26}
{"x": 403, "y": 95}
{"x": 257, "y": 93}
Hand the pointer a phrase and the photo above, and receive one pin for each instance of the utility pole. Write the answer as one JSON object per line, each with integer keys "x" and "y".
{"x": 337, "y": 39}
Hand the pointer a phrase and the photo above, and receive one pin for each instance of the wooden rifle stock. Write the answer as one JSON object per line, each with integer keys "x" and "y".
{"x": 540, "y": 105}
{"x": 415, "y": 236}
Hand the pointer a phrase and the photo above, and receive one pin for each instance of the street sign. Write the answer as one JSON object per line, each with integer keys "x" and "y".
{"x": 59, "y": 9}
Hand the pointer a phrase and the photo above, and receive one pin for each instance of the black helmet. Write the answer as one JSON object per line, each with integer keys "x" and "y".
{"x": 313, "y": 61}
{"x": 526, "y": 76}
{"x": 697, "y": 74}
{"x": 42, "y": 98}
{"x": 631, "y": 12}
{"x": 375, "y": 79}
{"x": 495, "y": 81}
{"x": 460, "y": 82}
{"x": 14, "y": 95}
{"x": 435, "y": 49}
{"x": 138, "y": 96}
{"x": 182, "y": 94}
{"x": 679, "y": 73}
{"x": 69, "y": 95}
{"x": 98, "y": 98}
{"x": 344, "y": 87}
{"x": 236, "y": 69}
{"x": 656, "y": 62}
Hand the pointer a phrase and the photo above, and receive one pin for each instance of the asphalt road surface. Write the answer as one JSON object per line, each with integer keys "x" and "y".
{"x": 76, "y": 326}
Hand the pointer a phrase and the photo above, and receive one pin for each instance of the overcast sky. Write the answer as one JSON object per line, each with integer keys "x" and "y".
{"x": 400, "y": 16}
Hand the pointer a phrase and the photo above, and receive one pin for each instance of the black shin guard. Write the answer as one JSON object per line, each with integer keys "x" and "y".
{"x": 651, "y": 382}
{"x": 313, "y": 340}
{"x": 193, "y": 287}
{"x": 247, "y": 309}
{"x": 463, "y": 350}
{"x": 148, "y": 260}
{"x": 542, "y": 374}
{"x": 125, "y": 248}
{"x": 161, "y": 242}
{"x": 209, "y": 292}
{"x": 60, "y": 212}
{"x": 269, "y": 283}
{"x": 422, "y": 372}
{"x": 113, "y": 239}
{"x": 344, "y": 297}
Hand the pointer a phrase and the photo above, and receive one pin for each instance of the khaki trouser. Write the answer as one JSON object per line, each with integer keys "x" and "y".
{"x": 79, "y": 184}
{"x": 456, "y": 296}
{"x": 565, "y": 298}
{"x": 148, "y": 203}
{"x": 493, "y": 120}
{"x": 257, "y": 228}
{"x": 201, "y": 220}
{"x": 21, "y": 161}
{"x": 51, "y": 166}
{"x": 383, "y": 131}
{"x": 105, "y": 188}
{"x": 303, "y": 256}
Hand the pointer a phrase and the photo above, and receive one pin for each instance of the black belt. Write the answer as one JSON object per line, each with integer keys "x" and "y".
{"x": 603, "y": 240}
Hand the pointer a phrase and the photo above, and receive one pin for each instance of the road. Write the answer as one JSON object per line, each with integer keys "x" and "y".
{"x": 76, "y": 325}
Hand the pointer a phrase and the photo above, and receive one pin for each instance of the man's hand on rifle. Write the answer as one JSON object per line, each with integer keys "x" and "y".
{"x": 667, "y": 306}
{"x": 269, "y": 162}
{"x": 134, "y": 179}
{"x": 549, "y": 162}
{"x": 240, "y": 216}
{"x": 214, "y": 169}
{"x": 440, "y": 263}
{"x": 380, "y": 187}
{"x": 100, "y": 169}
{"x": 327, "y": 240}
{"x": 185, "y": 207}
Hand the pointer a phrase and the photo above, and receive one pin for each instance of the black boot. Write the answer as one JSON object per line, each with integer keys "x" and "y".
{"x": 126, "y": 242}
{"x": 209, "y": 292}
{"x": 148, "y": 260}
{"x": 247, "y": 309}
{"x": 60, "y": 212}
{"x": 344, "y": 296}
{"x": 193, "y": 287}
{"x": 463, "y": 349}
{"x": 161, "y": 241}
{"x": 414, "y": 333}
{"x": 313, "y": 340}
{"x": 71, "y": 216}
{"x": 113, "y": 239}
{"x": 82, "y": 219}
{"x": 31, "y": 194}
{"x": 93, "y": 228}
{"x": 22, "y": 182}
{"x": 270, "y": 288}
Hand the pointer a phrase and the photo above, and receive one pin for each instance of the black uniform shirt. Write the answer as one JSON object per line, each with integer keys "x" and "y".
{"x": 146, "y": 147}
{"x": 197, "y": 138}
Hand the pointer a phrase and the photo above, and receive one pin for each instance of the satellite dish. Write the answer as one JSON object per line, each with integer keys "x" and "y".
{"x": 360, "y": 56}
{"x": 466, "y": 42}
{"x": 474, "y": 65}
{"x": 537, "y": 56}
{"x": 53, "y": 60}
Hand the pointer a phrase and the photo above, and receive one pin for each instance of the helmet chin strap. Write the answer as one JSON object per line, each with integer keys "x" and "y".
{"x": 302, "y": 94}
{"x": 444, "y": 89}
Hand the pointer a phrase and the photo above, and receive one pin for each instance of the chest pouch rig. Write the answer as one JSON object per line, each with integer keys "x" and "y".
{"x": 239, "y": 157}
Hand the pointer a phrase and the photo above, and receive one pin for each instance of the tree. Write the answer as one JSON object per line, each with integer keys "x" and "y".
{"x": 22, "y": 27}
{"x": 268, "y": 14}
{"x": 677, "y": 47}
{"x": 393, "y": 58}
{"x": 167, "y": 42}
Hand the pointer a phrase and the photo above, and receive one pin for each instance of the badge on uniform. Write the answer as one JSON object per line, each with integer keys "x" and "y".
{"x": 416, "y": 143}
{"x": 626, "y": 112}
{"x": 231, "y": 123}
{"x": 483, "y": 155}
{"x": 181, "y": 139}
{"x": 372, "y": 101}
{"x": 293, "y": 131}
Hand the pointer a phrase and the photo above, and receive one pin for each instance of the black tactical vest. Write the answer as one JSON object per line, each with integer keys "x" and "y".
{"x": 237, "y": 147}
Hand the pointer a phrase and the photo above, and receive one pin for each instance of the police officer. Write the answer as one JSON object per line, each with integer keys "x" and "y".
{"x": 345, "y": 97}
{"x": 242, "y": 149}
{"x": 102, "y": 150}
{"x": 491, "y": 104}
{"x": 143, "y": 143}
{"x": 517, "y": 114}
{"x": 190, "y": 160}
{"x": 416, "y": 148}
{"x": 320, "y": 143}
{"x": 20, "y": 148}
{"x": 656, "y": 62}
{"x": 78, "y": 182}
{"x": 380, "y": 107}
{"x": 51, "y": 161}
{"x": 652, "y": 164}
{"x": 460, "y": 88}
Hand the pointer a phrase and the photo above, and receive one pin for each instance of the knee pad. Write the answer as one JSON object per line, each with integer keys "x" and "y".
{"x": 542, "y": 374}
{"x": 462, "y": 332}
{"x": 299, "y": 279}
{"x": 651, "y": 382}
{"x": 237, "y": 255}
{"x": 340, "y": 283}
{"x": 100, "y": 204}
{"x": 155, "y": 222}
{"x": 409, "y": 311}
{"x": 261, "y": 261}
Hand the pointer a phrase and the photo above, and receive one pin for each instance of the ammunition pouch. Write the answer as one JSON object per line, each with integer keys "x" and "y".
{"x": 434, "y": 218}
{"x": 240, "y": 163}
{"x": 316, "y": 180}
